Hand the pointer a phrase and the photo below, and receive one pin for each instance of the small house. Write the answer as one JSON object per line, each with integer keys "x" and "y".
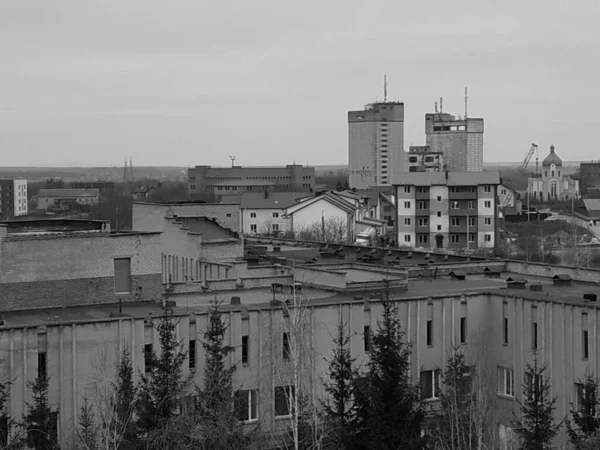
{"x": 561, "y": 279}
{"x": 516, "y": 282}
{"x": 458, "y": 275}
{"x": 492, "y": 272}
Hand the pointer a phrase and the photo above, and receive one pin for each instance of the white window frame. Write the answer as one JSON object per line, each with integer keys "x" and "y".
{"x": 289, "y": 393}
{"x": 407, "y": 221}
{"x": 506, "y": 378}
{"x": 253, "y": 228}
{"x": 253, "y": 215}
{"x": 407, "y": 238}
{"x": 487, "y": 237}
{"x": 488, "y": 221}
{"x": 487, "y": 204}
{"x": 436, "y": 385}
{"x": 407, "y": 205}
{"x": 407, "y": 189}
{"x": 275, "y": 227}
{"x": 487, "y": 188}
{"x": 454, "y": 204}
{"x": 250, "y": 411}
{"x": 275, "y": 215}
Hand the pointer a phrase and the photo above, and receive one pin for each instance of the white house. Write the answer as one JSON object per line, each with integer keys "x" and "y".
{"x": 65, "y": 198}
{"x": 264, "y": 212}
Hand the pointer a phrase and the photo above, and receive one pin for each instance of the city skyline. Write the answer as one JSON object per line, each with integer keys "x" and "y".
{"x": 186, "y": 83}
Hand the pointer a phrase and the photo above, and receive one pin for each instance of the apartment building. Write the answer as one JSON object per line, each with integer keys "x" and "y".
{"x": 376, "y": 145}
{"x": 236, "y": 180}
{"x": 422, "y": 159}
{"x": 447, "y": 210}
{"x": 459, "y": 140}
{"x": 13, "y": 199}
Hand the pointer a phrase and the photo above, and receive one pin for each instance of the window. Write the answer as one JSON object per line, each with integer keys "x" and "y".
{"x": 471, "y": 237}
{"x": 471, "y": 204}
{"x": 284, "y": 400}
{"x": 245, "y": 349}
{"x": 532, "y": 389}
{"x": 454, "y": 238}
{"x": 463, "y": 322}
{"x": 407, "y": 221}
{"x": 488, "y": 237}
{"x": 580, "y": 396}
{"x": 506, "y": 382}
{"x": 429, "y": 329}
{"x": 430, "y": 384}
{"x": 505, "y": 323}
{"x": 472, "y": 221}
{"x": 407, "y": 238}
{"x": 407, "y": 189}
{"x": 253, "y": 215}
{"x": 534, "y": 328}
{"x": 454, "y": 205}
{"x": 276, "y": 215}
{"x": 487, "y": 188}
{"x": 407, "y": 204}
{"x": 439, "y": 214}
{"x": 424, "y": 222}
{"x": 503, "y": 191}
{"x": 287, "y": 352}
{"x": 455, "y": 221}
{"x": 487, "y": 204}
{"x": 367, "y": 338}
{"x": 192, "y": 187}
{"x": 253, "y": 227}
{"x": 192, "y": 354}
{"x": 423, "y": 204}
{"x": 246, "y": 405}
{"x": 148, "y": 358}
{"x": 122, "y": 267}
{"x": 585, "y": 345}
{"x": 42, "y": 365}
{"x": 275, "y": 227}
{"x": 439, "y": 198}
{"x": 423, "y": 239}
{"x": 488, "y": 220}
{"x": 439, "y": 228}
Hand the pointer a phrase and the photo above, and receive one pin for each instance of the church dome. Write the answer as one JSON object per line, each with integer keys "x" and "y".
{"x": 552, "y": 158}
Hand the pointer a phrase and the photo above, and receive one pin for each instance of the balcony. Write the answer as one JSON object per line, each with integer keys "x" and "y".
{"x": 463, "y": 195}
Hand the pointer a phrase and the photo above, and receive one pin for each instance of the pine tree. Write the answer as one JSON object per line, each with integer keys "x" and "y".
{"x": 340, "y": 409}
{"x": 39, "y": 422}
{"x": 585, "y": 424}
{"x": 161, "y": 387}
{"x": 216, "y": 410}
{"x": 536, "y": 426}
{"x": 124, "y": 427}
{"x": 390, "y": 411}
{"x": 87, "y": 428}
{"x": 6, "y": 422}
{"x": 456, "y": 427}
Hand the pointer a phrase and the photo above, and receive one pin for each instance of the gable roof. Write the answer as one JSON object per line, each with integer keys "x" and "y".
{"x": 274, "y": 200}
{"x": 332, "y": 199}
{"x": 592, "y": 204}
{"x": 447, "y": 178}
{"x": 209, "y": 229}
{"x": 69, "y": 193}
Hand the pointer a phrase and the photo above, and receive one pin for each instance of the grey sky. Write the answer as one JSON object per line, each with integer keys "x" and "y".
{"x": 178, "y": 82}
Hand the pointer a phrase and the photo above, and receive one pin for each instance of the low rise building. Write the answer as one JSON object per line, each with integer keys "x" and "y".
{"x": 13, "y": 199}
{"x": 264, "y": 213}
{"x": 67, "y": 198}
{"x": 422, "y": 159}
{"x": 589, "y": 173}
{"x": 447, "y": 210}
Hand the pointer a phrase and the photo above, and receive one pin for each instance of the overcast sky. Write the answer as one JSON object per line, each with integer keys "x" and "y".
{"x": 178, "y": 82}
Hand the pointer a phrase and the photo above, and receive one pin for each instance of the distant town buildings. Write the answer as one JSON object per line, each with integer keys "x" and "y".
{"x": 66, "y": 198}
{"x": 422, "y": 159}
{"x": 447, "y": 210}
{"x": 459, "y": 140}
{"x": 13, "y": 198}
{"x": 235, "y": 180}
{"x": 376, "y": 144}
{"x": 552, "y": 183}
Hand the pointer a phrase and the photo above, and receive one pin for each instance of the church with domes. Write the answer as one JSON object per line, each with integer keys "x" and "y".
{"x": 551, "y": 183}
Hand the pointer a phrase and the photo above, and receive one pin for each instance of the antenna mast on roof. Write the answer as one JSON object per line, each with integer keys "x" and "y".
{"x": 384, "y": 88}
{"x": 232, "y": 158}
{"x": 436, "y": 108}
{"x": 466, "y": 100}
{"x": 441, "y": 105}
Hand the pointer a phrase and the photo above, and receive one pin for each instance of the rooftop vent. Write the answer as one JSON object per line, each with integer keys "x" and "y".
{"x": 536, "y": 286}
{"x": 590, "y": 297}
{"x": 458, "y": 275}
{"x": 516, "y": 282}
{"x": 358, "y": 297}
{"x": 561, "y": 279}
{"x": 236, "y": 301}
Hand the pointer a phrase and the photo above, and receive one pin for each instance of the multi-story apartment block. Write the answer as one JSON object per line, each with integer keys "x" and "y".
{"x": 451, "y": 210}
{"x": 460, "y": 141}
{"x": 13, "y": 199}
{"x": 589, "y": 173}
{"x": 376, "y": 145}
{"x": 422, "y": 159}
{"x": 236, "y": 180}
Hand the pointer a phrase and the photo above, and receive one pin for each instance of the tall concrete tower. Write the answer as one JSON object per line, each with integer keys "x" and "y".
{"x": 460, "y": 141}
{"x": 376, "y": 144}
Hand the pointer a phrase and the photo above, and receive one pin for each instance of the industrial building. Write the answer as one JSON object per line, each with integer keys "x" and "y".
{"x": 447, "y": 210}
{"x": 422, "y": 159}
{"x": 376, "y": 145}
{"x": 67, "y": 198}
{"x": 13, "y": 199}
{"x": 459, "y": 140}
{"x": 589, "y": 174}
{"x": 235, "y": 180}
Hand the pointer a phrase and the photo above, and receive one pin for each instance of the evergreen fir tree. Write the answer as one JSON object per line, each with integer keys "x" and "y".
{"x": 216, "y": 410}
{"x": 536, "y": 426}
{"x": 161, "y": 387}
{"x": 390, "y": 410}
{"x": 6, "y": 422}
{"x": 585, "y": 423}
{"x": 456, "y": 429}
{"x": 40, "y": 421}
{"x": 340, "y": 409}
{"x": 126, "y": 400}
{"x": 87, "y": 428}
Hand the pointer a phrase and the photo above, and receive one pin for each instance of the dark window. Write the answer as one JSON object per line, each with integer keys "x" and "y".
{"x": 42, "y": 365}
{"x": 430, "y": 384}
{"x": 429, "y": 333}
{"x": 463, "y": 330}
{"x": 367, "y": 338}
{"x": 245, "y": 349}
{"x": 192, "y": 354}
{"x": 286, "y": 347}
{"x": 122, "y": 275}
{"x": 534, "y": 336}
{"x": 284, "y": 400}
{"x": 586, "y": 348}
{"x": 3, "y": 431}
{"x": 148, "y": 358}
{"x": 505, "y": 330}
{"x": 245, "y": 404}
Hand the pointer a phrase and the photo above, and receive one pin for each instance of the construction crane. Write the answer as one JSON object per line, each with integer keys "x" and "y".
{"x": 525, "y": 163}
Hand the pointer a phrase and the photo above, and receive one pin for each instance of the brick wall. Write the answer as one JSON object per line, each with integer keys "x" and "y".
{"x": 82, "y": 291}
